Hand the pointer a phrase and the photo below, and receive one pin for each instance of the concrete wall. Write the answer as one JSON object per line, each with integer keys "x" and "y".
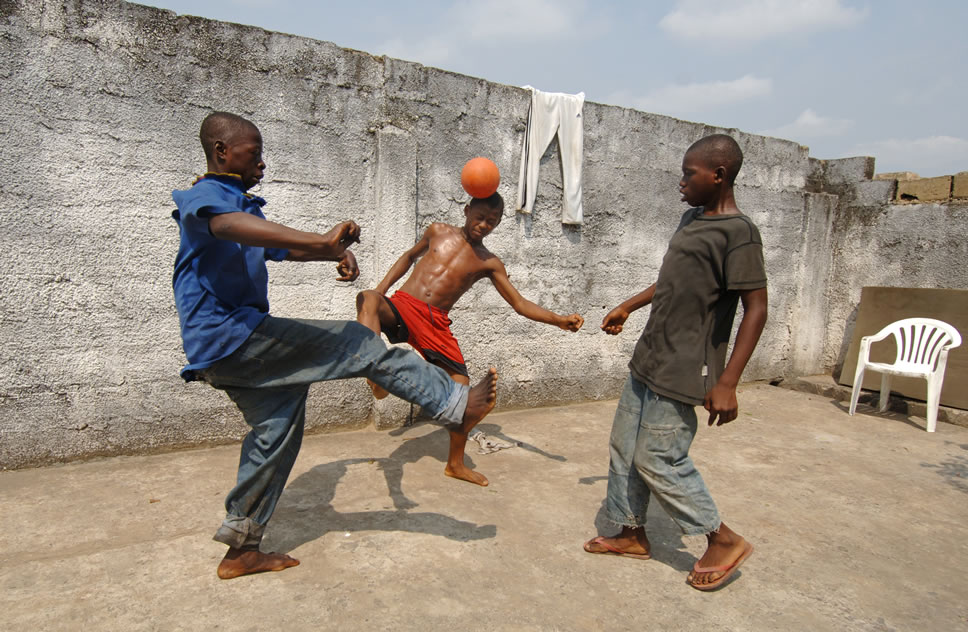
{"x": 102, "y": 102}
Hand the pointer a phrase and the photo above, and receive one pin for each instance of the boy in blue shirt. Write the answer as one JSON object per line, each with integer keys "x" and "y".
{"x": 266, "y": 364}
{"x": 714, "y": 260}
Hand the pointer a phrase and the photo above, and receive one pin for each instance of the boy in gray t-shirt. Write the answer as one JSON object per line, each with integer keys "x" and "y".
{"x": 714, "y": 260}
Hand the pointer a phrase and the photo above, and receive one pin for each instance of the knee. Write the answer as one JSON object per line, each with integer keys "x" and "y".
{"x": 654, "y": 465}
{"x": 365, "y": 298}
{"x": 360, "y": 332}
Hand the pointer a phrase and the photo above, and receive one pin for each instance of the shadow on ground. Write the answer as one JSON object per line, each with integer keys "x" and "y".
{"x": 306, "y": 508}
{"x": 307, "y": 514}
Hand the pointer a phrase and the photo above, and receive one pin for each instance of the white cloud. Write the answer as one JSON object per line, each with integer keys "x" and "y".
{"x": 469, "y": 23}
{"x": 810, "y": 125}
{"x": 434, "y": 51}
{"x": 927, "y": 156}
{"x": 506, "y": 19}
{"x": 690, "y": 98}
{"x": 756, "y": 19}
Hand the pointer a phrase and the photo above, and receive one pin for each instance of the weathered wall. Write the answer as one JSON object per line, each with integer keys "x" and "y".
{"x": 102, "y": 102}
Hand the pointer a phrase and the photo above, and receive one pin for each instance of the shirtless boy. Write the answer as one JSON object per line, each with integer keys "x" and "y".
{"x": 449, "y": 260}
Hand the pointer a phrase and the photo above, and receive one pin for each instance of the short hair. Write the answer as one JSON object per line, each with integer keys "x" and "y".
{"x": 494, "y": 202}
{"x": 720, "y": 150}
{"x": 222, "y": 126}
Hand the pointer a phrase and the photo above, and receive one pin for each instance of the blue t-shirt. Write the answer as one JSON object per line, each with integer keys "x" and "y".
{"x": 221, "y": 287}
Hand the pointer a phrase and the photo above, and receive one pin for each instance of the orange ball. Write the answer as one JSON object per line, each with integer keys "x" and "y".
{"x": 480, "y": 177}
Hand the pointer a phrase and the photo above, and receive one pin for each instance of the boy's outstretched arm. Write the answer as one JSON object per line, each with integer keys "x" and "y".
{"x": 407, "y": 259}
{"x": 302, "y": 245}
{"x": 526, "y": 308}
{"x": 720, "y": 401}
{"x": 613, "y": 321}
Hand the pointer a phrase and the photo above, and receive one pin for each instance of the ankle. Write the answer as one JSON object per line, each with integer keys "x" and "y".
{"x": 724, "y": 536}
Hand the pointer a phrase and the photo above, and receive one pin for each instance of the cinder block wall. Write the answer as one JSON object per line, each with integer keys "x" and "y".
{"x": 102, "y": 102}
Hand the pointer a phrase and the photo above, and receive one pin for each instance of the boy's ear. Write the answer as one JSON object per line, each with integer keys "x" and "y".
{"x": 219, "y": 147}
{"x": 720, "y": 174}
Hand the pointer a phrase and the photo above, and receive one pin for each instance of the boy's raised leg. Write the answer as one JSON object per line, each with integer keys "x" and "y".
{"x": 238, "y": 562}
{"x": 371, "y": 307}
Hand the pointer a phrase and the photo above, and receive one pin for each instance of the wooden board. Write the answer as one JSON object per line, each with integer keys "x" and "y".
{"x": 880, "y": 306}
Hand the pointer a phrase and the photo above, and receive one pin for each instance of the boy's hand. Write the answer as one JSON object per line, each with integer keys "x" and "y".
{"x": 343, "y": 235}
{"x": 347, "y": 268}
{"x": 612, "y": 324}
{"x": 721, "y": 403}
{"x": 572, "y": 322}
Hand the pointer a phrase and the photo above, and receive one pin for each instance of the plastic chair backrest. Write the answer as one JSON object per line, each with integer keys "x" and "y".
{"x": 921, "y": 340}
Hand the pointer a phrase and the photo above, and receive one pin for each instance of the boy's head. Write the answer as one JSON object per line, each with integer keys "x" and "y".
{"x": 710, "y": 164}
{"x": 483, "y": 215}
{"x": 233, "y": 144}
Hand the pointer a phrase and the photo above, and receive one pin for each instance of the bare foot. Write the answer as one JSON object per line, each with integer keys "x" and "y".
{"x": 378, "y": 391}
{"x": 238, "y": 562}
{"x": 455, "y": 467}
{"x": 726, "y": 551}
{"x": 481, "y": 398}
{"x": 464, "y": 473}
{"x": 631, "y": 542}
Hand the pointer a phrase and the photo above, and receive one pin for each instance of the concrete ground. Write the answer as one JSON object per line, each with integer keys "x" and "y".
{"x": 859, "y": 523}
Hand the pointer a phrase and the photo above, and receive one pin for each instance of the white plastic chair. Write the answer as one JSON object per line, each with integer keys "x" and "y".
{"x": 922, "y": 351}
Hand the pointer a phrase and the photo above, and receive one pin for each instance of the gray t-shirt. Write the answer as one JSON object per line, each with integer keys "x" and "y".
{"x": 682, "y": 351}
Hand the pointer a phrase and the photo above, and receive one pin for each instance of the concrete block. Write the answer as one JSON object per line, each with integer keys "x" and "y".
{"x": 924, "y": 190}
{"x": 872, "y": 193}
{"x": 847, "y": 170}
{"x": 959, "y": 185}
{"x": 897, "y": 175}
{"x": 815, "y": 175}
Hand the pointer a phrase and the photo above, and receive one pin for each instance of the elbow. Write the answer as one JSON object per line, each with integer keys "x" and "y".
{"x": 760, "y": 317}
{"x": 522, "y": 309}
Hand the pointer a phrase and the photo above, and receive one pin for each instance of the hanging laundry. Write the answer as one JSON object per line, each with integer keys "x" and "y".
{"x": 553, "y": 113}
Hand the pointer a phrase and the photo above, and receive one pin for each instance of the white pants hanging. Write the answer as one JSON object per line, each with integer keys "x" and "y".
{"x": 553, "y": 113}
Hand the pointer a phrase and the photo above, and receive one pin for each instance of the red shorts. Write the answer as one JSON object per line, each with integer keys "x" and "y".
{"x": 427, "y": 329}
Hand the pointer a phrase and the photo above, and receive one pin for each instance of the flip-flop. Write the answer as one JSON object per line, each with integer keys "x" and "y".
{"x": 726, "y": 569}
{"x": 611, "y": 550}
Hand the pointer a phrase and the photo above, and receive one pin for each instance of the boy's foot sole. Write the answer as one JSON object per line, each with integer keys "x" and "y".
{"x": 481, "y": 398}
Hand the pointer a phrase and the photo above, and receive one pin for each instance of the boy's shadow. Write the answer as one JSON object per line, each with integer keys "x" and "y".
{"x": 435, "y": 444}
{"x": 305, "y": 513}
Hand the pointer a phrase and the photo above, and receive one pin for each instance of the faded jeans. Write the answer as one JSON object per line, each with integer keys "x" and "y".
{"x": 268, "y": 378}
{"x": 649, "y": 448}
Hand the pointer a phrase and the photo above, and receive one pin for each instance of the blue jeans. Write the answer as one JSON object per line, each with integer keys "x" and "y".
{"x": 649, "y": 448}
{"x": 268, "y": 378}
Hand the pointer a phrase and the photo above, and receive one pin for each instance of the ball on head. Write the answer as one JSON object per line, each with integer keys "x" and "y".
{"x": 480, "y": 177}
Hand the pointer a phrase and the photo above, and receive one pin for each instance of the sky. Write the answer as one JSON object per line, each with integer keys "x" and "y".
{"x": 879, "y": 78}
